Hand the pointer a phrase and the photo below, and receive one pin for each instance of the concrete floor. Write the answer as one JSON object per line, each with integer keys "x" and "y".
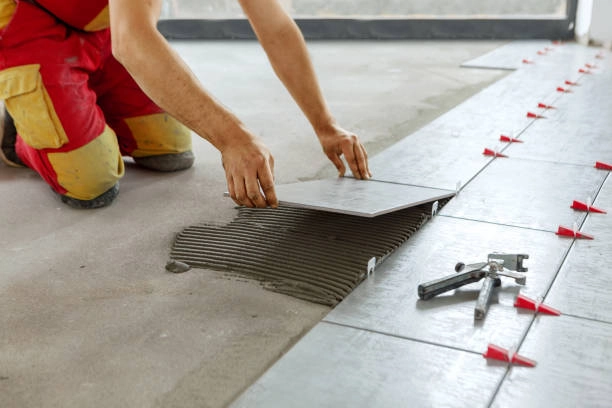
{"x": 89, "y": 315}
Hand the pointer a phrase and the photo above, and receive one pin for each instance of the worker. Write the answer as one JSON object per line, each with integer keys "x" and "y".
{"x": 85, "y": 83}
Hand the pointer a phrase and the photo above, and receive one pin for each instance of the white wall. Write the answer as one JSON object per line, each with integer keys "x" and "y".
{"x": 594, "y": 22}
{"x": 601, "y": 23}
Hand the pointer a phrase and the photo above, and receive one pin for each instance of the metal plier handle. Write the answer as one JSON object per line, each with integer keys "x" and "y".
{"x": 473, "y": 273}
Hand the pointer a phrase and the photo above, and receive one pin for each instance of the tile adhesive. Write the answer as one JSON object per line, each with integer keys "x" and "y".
{"x": 312, "y": 255}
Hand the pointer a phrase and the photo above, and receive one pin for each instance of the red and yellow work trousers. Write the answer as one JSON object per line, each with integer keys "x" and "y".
{"x": 75, "y": 108}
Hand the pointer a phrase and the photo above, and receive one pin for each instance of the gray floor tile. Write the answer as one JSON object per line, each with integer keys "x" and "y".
{"x": 563, "y": 142}
{"x": 574, "y": 366}
{"x": 509, "y": 56}
{"x": 584, "y": 285}
{"x": 334, "y": 366}
{"x": 432, "y": 159}
{"x": 388, "y": 301}
{"x": 527, "y": 193}
{"x": 347, "y": 195}
{"x": 450, "y": 148}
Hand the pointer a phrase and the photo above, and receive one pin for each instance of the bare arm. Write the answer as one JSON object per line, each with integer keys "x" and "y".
{"x": 284, "y": 44}
{"x": 167, "y": 80}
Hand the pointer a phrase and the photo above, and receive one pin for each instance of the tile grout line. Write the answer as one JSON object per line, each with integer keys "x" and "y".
{"x": 526, "y": 333}
{"x": 590, "y": 319}
{"x": 495, "y": 223}
{"x": 528, "y": 329}
{"x": 397, "y": 336}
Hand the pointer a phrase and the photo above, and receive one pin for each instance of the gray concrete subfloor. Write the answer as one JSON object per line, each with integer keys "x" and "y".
{"x": 89, "y": 315}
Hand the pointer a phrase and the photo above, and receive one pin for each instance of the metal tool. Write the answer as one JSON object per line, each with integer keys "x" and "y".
{"x": 497, "y": 265}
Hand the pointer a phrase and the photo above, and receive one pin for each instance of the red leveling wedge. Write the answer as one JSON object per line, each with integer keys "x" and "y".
{"x": 524, "y": 302}
{"x": 508, "y": 139}
{"x": 498, "y": 353}
{"x": 603, "y": 166}
{"x": 580, "y": 206}
{"x": 568, "y": 232}
{"x": 491, "y": 152}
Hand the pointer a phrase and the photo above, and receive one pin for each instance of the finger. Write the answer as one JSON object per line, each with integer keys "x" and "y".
{"x": 253, "y": 192}
{"x": 241, "y": 193}
{"x": 230, "y": 187}
{"x": 361, "y": 160}
{"x": 351, "y": 159}
{"x": 266, "y": 181}
{"x": 335, "y": 158}
{"x": 367, "y": 164}
{"x": 271, "y": 161}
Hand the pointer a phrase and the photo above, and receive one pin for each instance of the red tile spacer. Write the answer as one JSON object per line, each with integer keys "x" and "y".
{"x": 603, "y": 166}
{"x": 580, "y": 206}
{"x": 591, "y": 66}
{"x": 557, "y": 42}
{"x": 524, "y": 302}
{"x": 541, "y": 52}
{"x": 568, "y": 232}
{"x": 545, "y": 106}
{"x": 560, "y": 89}
{"x": 571, "y": 83}
{"x": 508, "y": 139}
{"x": 526, "y": 61}
{"x": 535, "y": 115}
{"x": 498, "y": 353}
{"x": 584, "y": 71}
{"x": 489, "y": 152}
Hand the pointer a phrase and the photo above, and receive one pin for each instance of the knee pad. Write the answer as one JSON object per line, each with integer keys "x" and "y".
{"x": 103, "y": 200}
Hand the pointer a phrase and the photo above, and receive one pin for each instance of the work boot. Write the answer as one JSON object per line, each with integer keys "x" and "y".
{"x": 102, "y": 200}
{"x": 8, "y": 137}
{"x": 167, "y": 162}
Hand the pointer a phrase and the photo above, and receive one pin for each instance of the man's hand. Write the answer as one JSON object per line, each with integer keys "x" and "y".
{"x": 336, "y": 142}
{"x": 249, "y": 169}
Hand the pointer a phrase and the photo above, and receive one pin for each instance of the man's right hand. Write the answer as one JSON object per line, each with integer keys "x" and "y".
{"x": 249, "y": 170}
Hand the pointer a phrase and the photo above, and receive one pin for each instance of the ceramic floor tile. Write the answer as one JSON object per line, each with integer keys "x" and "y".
{"x": 388, "y": 302}
{"x": 432, "y": 159}
{"x": 584, "y": 285}
{"x": 570, "y": 142}
{"x": 509, "y": 56}
{"x": 356, "y": 197}
{"x": 525, "y": 193}
{"x": 574, "y": 366}
{"x": 334, "y": 366}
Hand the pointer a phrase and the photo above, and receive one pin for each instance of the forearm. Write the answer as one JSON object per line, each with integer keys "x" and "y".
{"x": 285, "y": 47}
{"x": 166, "y": 79}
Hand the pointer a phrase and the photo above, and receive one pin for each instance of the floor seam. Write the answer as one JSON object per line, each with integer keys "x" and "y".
{"x": 397, "y": 336}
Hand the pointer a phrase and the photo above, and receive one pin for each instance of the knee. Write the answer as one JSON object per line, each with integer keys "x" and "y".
{"x": 89, "y": 173}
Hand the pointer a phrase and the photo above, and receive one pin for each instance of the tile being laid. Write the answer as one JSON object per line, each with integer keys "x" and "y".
{"x": 388, "y": 302}
{"x": 347, "y": 195}
{"x": 334, "y": 366}
{"x": 526, "y": 193}
{"x": 574, "y": 366}
{"x": 584, "y": 284}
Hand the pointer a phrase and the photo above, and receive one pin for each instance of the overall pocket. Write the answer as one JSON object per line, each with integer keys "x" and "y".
{"x": 28, "y": 102}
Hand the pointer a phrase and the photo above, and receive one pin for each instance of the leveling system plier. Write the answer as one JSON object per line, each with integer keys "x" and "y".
{"x": 497, "y": 265}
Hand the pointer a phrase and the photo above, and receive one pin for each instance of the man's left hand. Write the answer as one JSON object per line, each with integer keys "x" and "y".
{"x": 337, "y": 142}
